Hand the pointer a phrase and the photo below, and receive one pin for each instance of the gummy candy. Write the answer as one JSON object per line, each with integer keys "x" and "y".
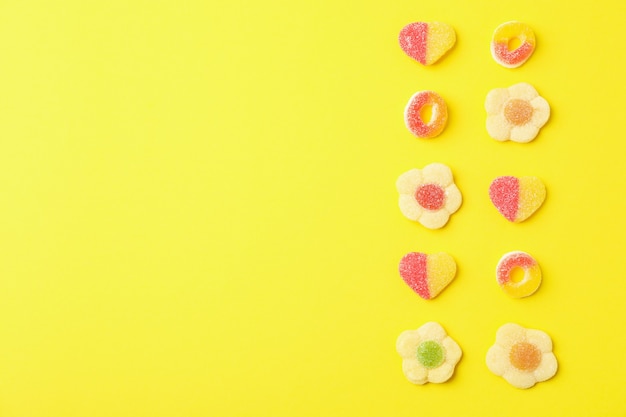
{"x": 427, "y": 275}
{"x": 502, "y": 44}
{"x": 517, "y": 198}
{"x": 415, "y": 110}
{"x": 426, "y": 42}
{"x": 505, "y": 274}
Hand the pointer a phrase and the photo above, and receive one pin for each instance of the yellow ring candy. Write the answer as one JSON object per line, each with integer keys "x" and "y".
{"x": 532, "y": 274}
{"x": 503, "y": 38}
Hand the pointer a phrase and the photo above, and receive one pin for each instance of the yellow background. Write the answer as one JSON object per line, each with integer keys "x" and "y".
{"x": 198, "y": 214}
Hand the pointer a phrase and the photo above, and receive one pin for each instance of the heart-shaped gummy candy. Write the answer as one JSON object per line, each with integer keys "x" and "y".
{"x": 517, "y": 198}
{"x": 426, "y": 274}
{"x": 426, "y": 42}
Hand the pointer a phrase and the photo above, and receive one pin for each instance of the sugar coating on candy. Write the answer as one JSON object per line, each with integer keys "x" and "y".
{"x": 413, "y": 271}
{"x": 426, "y": 274}
{"x": 517, "y": 198}
{"x": 516, "y": 113}
{"x": 504, "y": 36}
{"x": 525, "y": 356}
{"x": 532, "y": 196}
{"x": 504, "y": 194}
{"x": 522, "y": 356}
{"x": 513, "y": 260}
{"x": 428, "y": 354}
{"x": 413, "y": 114}
{"x": 426, "y": 42}
{"x": 441, "y": 38}
{"x": 412, "y": 40}
{"x": 429, "y": 195}
{"x": 530, "y": 281}
{"x": 511, "y": 59}
{"x": 441, "y": 270}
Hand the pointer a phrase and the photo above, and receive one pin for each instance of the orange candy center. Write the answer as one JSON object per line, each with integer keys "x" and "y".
{"x": 518, "y": 111}
{"x": 525, "y": 356}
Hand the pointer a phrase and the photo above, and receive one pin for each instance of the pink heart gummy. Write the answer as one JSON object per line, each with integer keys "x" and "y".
{"x": 426, "y": 42}
{"x": 427, "y": 275}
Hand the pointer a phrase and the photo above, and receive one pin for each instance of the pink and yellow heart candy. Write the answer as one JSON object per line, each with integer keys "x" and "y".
{"x": 426, "y": 42}
{"x": 427, "y": 274}
{"x": 517, "y": 198}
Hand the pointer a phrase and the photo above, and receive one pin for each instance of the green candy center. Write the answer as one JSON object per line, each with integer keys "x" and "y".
{"x": 430, "y": 354}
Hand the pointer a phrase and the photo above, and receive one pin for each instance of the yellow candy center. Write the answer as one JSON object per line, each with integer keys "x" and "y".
{"x": 525, "y": 356}
{"x": 518, "y": 111}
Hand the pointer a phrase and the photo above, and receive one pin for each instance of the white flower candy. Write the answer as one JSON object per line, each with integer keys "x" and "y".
{"x": 522, "y": 356}
{"x": 428, "y": 354}
{"x": 428, "y": 195}
{"x": 516, "y": 113}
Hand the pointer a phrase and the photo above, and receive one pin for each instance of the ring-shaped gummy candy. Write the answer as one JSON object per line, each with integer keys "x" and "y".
{"x": 416, "y": 110}
{"x": 530, "y": 281}
{"x": 512, "y": 44}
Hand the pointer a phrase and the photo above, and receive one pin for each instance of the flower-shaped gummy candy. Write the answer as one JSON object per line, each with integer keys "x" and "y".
{"x": 516, "y": 113}
{"x": 428, "y": 195}
{"x": 428, "y": 354}
{"x": 522, "y": 356}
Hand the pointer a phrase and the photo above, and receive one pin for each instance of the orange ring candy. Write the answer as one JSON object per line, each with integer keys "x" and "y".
{"x": 532, "y": 274}
{"x": 504, "y": 36}
{"x": 414, "y": 117}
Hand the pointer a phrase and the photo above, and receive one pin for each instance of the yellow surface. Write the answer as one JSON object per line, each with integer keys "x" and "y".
{"x": 199, "y": 218}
